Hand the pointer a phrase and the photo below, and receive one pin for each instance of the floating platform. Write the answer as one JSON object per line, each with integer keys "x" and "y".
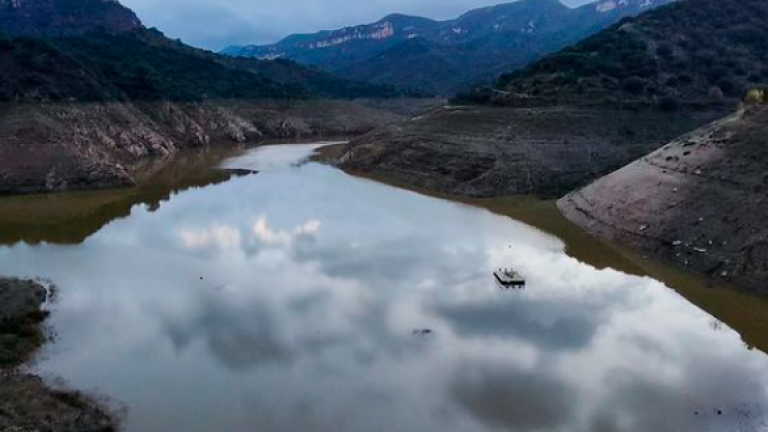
{"x": 509, "y": 278}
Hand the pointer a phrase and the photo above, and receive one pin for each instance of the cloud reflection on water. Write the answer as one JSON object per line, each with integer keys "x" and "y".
{"x": 288, "y": 301}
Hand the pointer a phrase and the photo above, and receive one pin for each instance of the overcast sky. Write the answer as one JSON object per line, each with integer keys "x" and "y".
{"x": 216, "y": 24}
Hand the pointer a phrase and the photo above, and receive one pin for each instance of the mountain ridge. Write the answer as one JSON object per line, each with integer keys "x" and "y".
{"x": 82, "y": 106}
{"x": 492, "y": 40}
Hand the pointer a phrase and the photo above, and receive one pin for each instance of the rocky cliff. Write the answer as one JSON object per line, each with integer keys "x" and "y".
{"x": 700, "y": 201}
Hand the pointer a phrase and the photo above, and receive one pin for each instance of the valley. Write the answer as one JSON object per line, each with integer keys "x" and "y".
{"x": 303, "y": 235}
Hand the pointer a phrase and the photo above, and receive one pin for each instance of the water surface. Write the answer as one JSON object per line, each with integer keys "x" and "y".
{"x": 297, "y": 299}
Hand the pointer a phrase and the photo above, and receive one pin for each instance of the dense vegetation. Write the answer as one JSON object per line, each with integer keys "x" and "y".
{"x": 144, "y": 65}
{"x": 698, "y": 52}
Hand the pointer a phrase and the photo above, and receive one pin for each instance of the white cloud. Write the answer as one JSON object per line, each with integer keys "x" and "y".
{"x": 283, "y": 238}
{"x": 221, "y": 237}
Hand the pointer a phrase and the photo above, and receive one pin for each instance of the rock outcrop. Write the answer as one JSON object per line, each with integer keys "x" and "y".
{"x": 700, "y": 201}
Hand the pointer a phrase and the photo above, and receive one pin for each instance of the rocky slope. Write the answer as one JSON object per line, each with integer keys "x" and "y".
{"x": 67, "y": 146}
{"x": 475, "y": 47}
{"x": 26, "y": 402}
{"x": 486, "y": 151}
{"x": 700, "y": 201}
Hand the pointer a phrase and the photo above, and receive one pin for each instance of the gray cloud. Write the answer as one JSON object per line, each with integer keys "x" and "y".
{"x": 216, "y": 24}
{"x": 513, "y": 400}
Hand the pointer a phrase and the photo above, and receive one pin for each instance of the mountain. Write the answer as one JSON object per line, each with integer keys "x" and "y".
{"x": 345, "y": 46}
{"x": 88, "y": 94}
{"x": 65, "y": 18}
{"x": 585, "y": 111}
{"x": 695, "y": 52}
{"x": 699, "y": 201}
{"x": 143, "y": 64}
{"x": 474, "y": 48}
{"x": 99, "y": 50}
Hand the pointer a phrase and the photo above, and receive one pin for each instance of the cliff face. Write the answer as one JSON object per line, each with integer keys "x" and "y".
{"x": 700, "y": 201}
{"x": 66, "y": 146}
{"x": 65, "y": 17}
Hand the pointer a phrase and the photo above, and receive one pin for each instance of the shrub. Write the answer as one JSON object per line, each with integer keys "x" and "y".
{"x": 755, "y": 97}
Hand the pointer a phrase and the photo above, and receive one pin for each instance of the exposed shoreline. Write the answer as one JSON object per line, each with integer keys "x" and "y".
{"x": 699, "y": 202}
{"x": 26, "y": 401}
{"x": 58, "y": 147}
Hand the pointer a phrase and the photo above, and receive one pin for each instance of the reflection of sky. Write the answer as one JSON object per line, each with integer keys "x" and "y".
{"x": 287, "y": 301}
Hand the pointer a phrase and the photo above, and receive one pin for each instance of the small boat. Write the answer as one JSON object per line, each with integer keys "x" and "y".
{"x": 509, "y": 278}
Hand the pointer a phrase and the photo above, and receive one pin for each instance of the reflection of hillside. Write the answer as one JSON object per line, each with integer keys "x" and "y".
{"x": 70, "y": 218}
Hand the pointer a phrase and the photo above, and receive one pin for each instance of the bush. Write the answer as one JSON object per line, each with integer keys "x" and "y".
{"x": 756, "y": 97}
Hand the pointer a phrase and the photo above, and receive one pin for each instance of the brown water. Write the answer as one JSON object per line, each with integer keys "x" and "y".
{"x": 296, "y": 299}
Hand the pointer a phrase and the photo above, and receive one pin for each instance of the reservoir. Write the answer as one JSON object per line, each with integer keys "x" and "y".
{"x": 273, "y": 293}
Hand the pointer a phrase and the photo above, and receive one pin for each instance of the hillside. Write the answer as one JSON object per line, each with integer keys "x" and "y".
{"x": 91, "y": 50}
{"x": 473, "y": 48}
{"x": 87, "y": 94}
{"x": 65, "y": 18}
{"x": 699, "y": 52}
{"x": 143, "y": 64}
{"x": 699, "y": 201}
{"x": 499, "y": 151}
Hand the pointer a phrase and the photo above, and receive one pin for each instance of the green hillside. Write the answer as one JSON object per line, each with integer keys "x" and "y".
{"x": 695, "y": 52}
